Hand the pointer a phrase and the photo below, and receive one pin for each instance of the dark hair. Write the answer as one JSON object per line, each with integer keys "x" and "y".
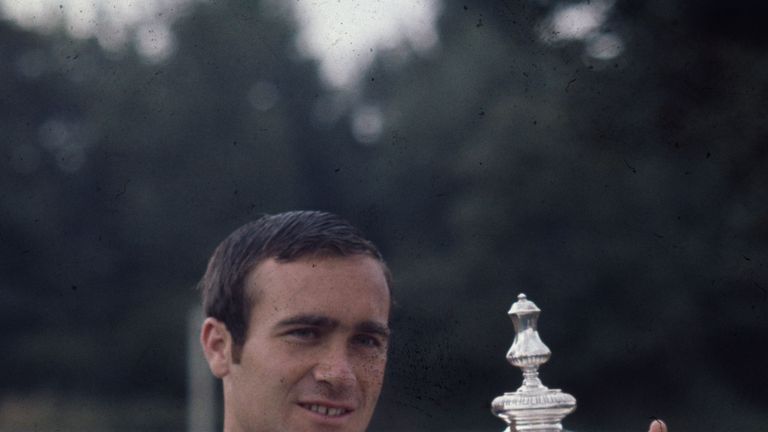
{"x": 285, "y": 237}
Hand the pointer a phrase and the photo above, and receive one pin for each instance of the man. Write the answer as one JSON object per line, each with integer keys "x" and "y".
{"x": 297, "y": 329}
{"x": 297, "y": 309}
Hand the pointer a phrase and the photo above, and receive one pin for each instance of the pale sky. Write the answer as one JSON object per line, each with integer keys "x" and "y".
{"x": 346, "y": 36}
{"x": 343, "y": 35}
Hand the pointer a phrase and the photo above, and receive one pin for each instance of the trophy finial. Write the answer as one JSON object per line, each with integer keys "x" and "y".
{"x": 533, "y": 407}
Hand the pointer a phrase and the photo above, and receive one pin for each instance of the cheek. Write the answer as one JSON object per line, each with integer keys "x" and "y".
{"x": 371, "y": 371}
{"x": 288, "y": 372}
{"x": 268, "y": 372}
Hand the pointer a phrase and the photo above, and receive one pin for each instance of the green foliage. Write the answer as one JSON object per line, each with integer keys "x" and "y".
{"x": 626, "y": 197}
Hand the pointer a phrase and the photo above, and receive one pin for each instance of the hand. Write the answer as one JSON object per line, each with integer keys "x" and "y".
{"x": 658, "y": 426}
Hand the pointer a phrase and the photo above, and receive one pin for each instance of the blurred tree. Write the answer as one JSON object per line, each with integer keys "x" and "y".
{"x": 623, "y": 193}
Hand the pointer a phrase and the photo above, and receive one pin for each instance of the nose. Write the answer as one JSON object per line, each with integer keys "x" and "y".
{"x": 336, "y": 368}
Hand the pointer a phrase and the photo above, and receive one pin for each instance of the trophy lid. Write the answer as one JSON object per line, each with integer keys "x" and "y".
{"x": 523, "y": 306}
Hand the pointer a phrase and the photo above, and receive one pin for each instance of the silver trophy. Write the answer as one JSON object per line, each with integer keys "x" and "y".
{"x": 533, "y": 407}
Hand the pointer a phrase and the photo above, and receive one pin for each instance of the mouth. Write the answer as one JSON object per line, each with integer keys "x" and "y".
{"x": 326, "y": 411}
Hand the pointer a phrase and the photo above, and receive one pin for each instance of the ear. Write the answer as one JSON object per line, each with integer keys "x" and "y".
{"x": 217, "y": 346}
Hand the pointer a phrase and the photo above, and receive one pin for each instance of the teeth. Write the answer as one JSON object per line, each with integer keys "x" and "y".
{"x": 331, "y": 412}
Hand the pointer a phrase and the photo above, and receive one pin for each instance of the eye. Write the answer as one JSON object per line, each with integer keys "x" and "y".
{"x": 367, "y": 341}
{"x": 304, "y": 333}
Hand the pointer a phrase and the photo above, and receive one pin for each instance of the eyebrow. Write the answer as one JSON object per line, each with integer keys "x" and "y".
{"x": 308, "y": 320}
{"x": 323, "y": 321}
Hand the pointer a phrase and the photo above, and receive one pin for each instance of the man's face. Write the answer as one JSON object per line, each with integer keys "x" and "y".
{"x": 316, "y": 347}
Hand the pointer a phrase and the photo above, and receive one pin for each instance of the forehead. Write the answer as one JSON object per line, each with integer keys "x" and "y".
{"x": 349, "y": 289}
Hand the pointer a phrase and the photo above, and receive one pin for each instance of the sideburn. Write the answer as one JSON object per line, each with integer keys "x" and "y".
{"x": 237, "y": 353}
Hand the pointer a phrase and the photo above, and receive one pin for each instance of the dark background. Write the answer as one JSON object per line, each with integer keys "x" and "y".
{"x": 628, "y": 197}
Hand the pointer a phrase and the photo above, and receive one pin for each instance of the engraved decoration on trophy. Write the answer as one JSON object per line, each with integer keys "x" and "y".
{"x": 533, "y": 407}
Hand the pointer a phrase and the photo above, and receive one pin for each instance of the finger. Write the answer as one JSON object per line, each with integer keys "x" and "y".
{"x": 658, "y": 426}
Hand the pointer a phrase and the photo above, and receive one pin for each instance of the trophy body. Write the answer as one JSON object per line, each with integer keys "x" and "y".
{"x": 533, "y": 407}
